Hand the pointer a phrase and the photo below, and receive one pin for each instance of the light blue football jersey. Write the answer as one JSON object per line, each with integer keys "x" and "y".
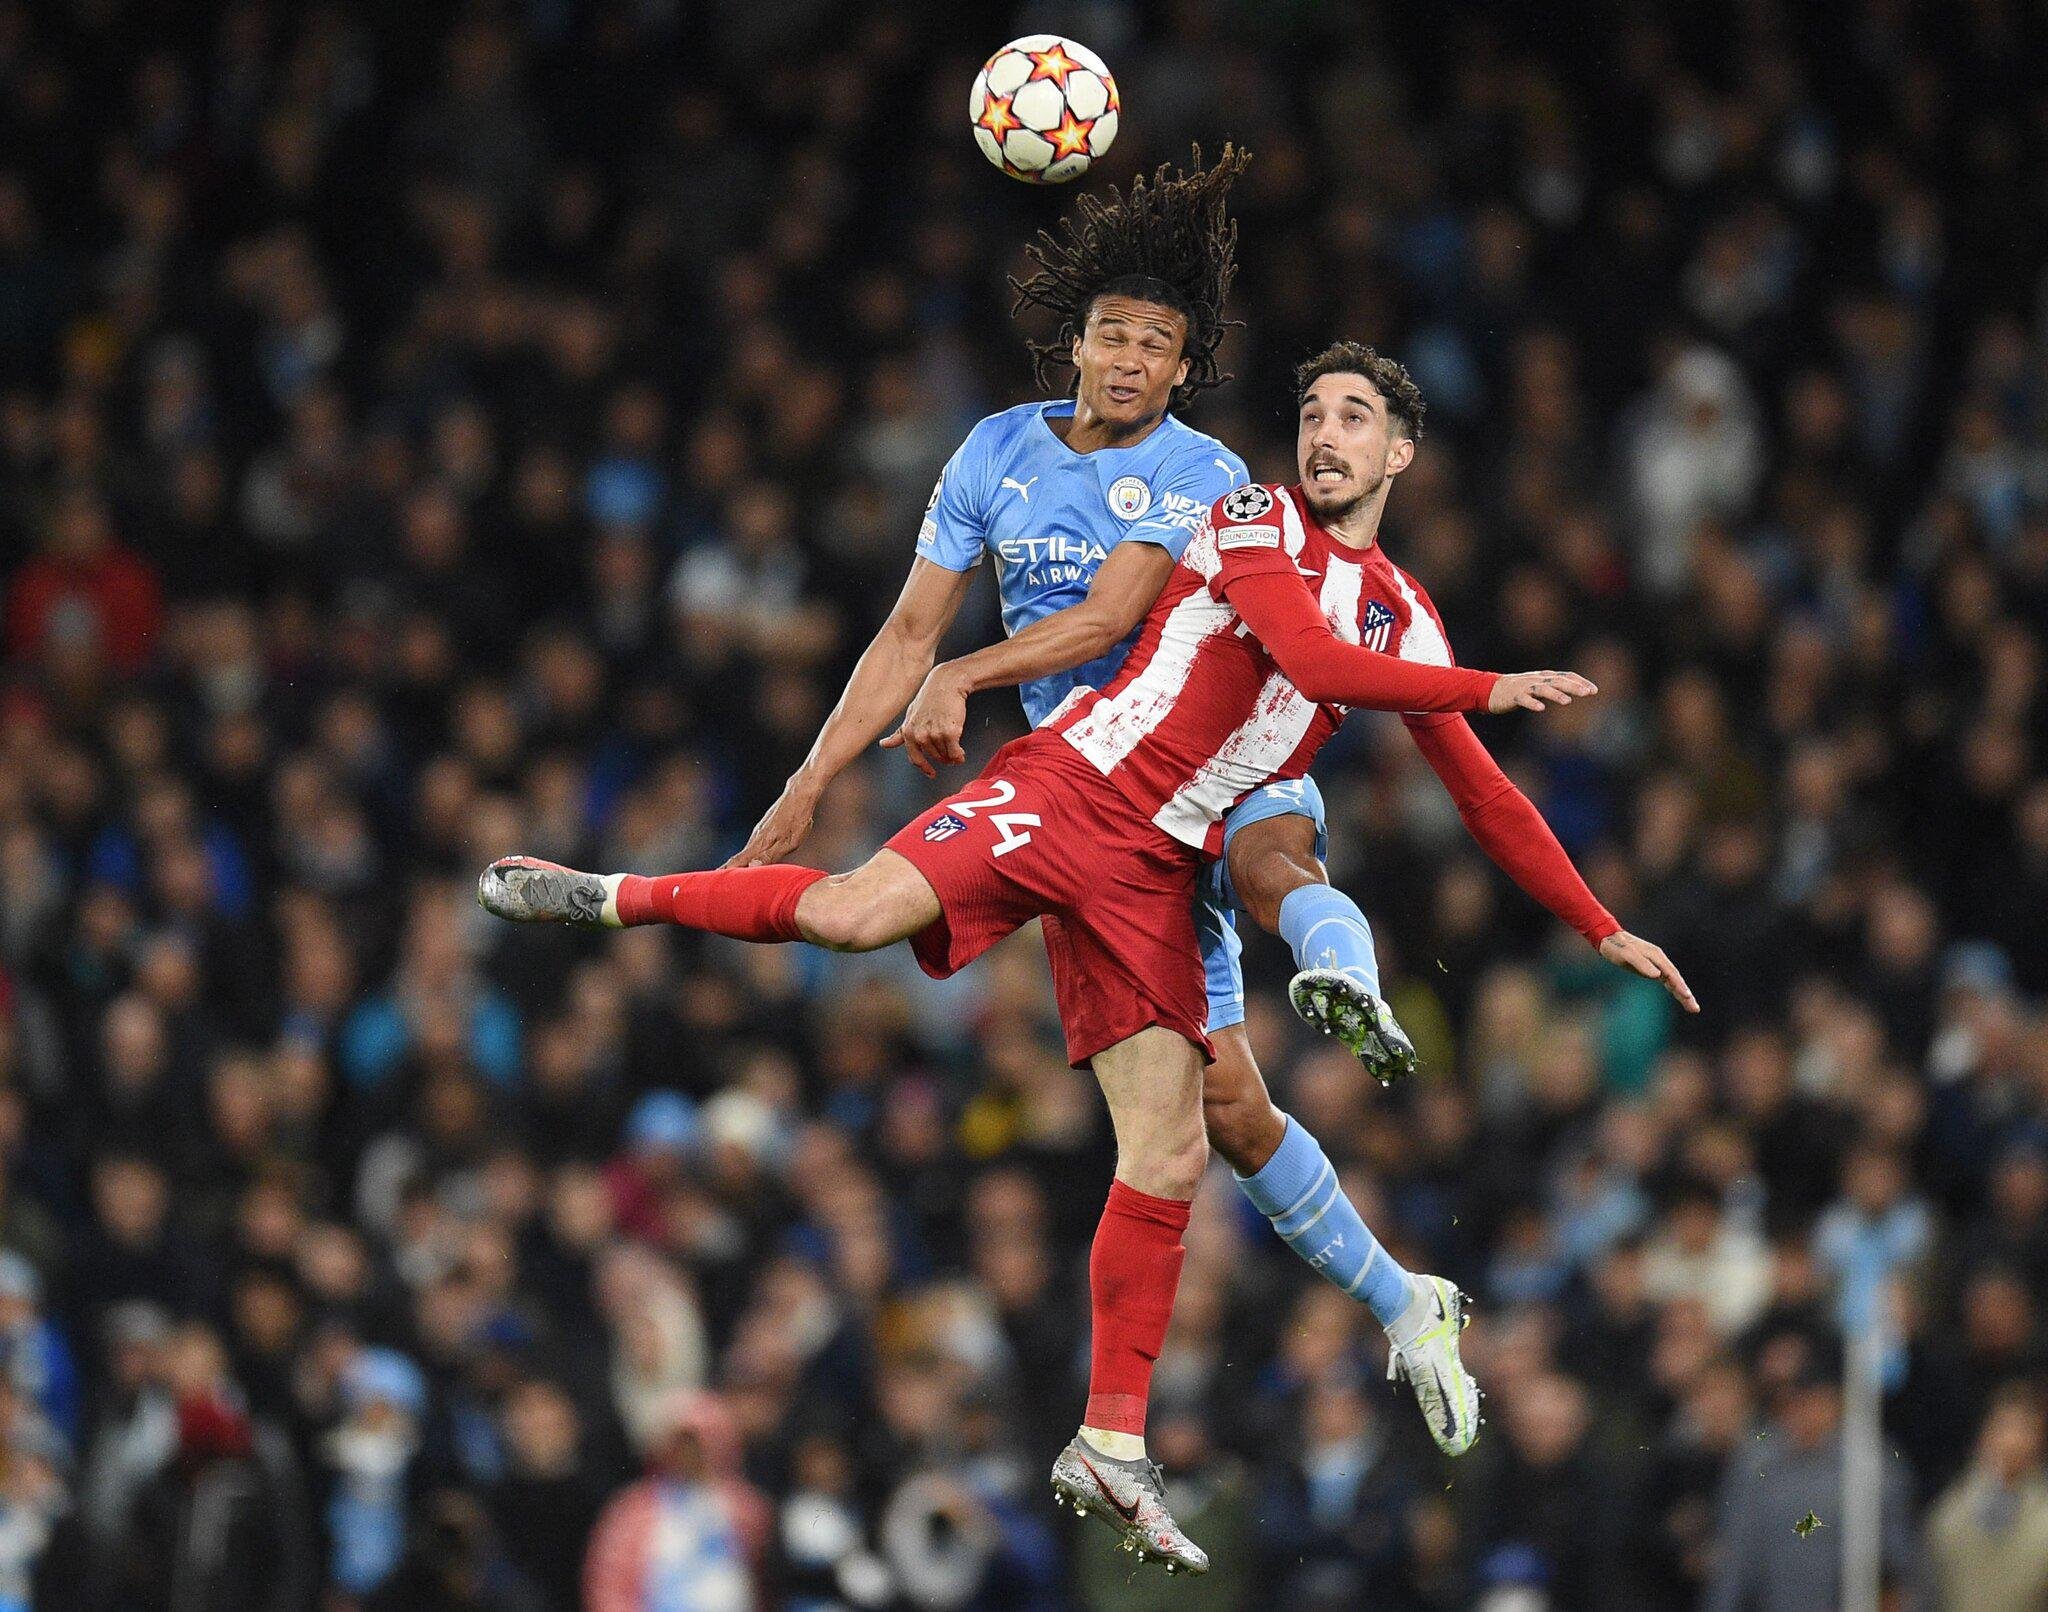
{"x": 1049, "y": 516}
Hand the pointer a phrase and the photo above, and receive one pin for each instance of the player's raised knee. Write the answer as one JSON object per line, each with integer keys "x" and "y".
{"x": 1266, "y": 877}
{"x": 1244, "y": 1127}
{"x": 863, "y": 911}
{"x": 834, "y": 914}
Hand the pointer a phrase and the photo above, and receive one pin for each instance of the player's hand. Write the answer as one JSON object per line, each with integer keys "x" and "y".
{"x": 930, "y": 734}
{"x": 1532, "y": 691}
{"x": 1633, "y": 952}
{"x": 781, "y": 830}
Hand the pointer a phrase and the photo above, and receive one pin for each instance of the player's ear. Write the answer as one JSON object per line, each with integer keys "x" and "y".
{"x": 1075, "y": 355}
{"x": 1400, "y": 454}
{"x": 1180, "y": 375}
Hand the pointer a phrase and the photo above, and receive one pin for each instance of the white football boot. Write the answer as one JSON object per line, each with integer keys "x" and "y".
{"x": 1422, "y": 1345}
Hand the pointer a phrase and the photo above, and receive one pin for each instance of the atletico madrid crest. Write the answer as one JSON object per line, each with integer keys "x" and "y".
{"x": 1377, "y": 627}
{"x": 942, "y": 827}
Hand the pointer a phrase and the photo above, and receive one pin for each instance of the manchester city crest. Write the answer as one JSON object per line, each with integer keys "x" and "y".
{"x": 1129, "y": 497}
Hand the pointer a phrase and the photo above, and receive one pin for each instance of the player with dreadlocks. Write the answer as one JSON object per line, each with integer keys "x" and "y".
{"x": 1171, "y": 244}
{"x": 1086, "y": 504}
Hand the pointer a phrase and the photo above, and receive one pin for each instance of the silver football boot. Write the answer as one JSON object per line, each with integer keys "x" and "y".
{"x": 530, "y": 891}
{"x": 1131, "y": 1498}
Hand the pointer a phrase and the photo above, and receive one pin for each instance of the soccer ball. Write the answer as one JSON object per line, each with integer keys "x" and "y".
{"x": 1044, "y": 108}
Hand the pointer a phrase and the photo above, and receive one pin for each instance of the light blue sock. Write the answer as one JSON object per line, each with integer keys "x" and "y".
{"x": 1326, "y": 930}
{"x": 1298, "y": 1191}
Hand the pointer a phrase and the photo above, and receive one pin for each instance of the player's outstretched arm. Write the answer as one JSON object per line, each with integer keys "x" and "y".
{"x": 1123, "y": 590}
{"x": 1512, "y": 831}
{"x": 887, "y": 674}
{"x": 1285, "y": 617}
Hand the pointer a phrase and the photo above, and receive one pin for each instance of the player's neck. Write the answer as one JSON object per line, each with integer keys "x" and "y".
{"x": 1359, "y": 526}
{"x": 1085, "y": 431}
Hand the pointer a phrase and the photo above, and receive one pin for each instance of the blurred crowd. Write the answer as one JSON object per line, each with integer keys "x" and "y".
{"x": 428, "y": 432}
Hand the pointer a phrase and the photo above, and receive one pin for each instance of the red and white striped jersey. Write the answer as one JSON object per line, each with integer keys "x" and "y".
{"x": 1200, "y": 715}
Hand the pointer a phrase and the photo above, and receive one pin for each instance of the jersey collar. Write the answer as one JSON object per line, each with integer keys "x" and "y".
{"x": 1063, "y": 408}
{"x": 1329, "y": 546}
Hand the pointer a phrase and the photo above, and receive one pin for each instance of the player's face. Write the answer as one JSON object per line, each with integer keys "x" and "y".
{"x": 1347, "y": 445}
{"x": 1130, "y": 359}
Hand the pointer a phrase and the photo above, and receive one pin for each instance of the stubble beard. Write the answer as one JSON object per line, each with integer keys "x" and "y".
{"x": 1330, "y": 514}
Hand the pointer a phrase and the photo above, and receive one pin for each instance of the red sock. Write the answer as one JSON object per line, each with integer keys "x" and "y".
{"x": 745, "y": 903}
{"x": 1132, "y": 1273}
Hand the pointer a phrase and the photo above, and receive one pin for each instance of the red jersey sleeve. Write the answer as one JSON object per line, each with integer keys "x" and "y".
{"x": 1499, "y": 816}
{"x": 1256, "y": 547}
{"x": 1508, "y": 826}
{"x": 1285, "y": 618}
{"x": 1243, "y": 555}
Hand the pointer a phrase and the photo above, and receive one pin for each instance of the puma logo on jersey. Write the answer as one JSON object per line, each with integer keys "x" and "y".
{"x": 1021, "y": 488}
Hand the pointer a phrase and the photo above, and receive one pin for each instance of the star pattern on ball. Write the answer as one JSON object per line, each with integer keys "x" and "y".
{"x": 1054, "y": 64}
{"x": 1038, "y": 135}
{"x": 997, "y": 118}
{"x": 1071, "y": 137}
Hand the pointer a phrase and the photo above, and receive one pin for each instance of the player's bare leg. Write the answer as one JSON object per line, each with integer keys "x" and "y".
{"x": 1283, "y": 1170}
{"x": 881, "y": 902}
{"x": 1282, "y": 883}
{"x": 1152, "y": 1082}
{"x": 1244, "y": 1124}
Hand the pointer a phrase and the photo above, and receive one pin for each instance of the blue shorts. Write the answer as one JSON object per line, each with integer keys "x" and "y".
{"x": 1215, "y": 901}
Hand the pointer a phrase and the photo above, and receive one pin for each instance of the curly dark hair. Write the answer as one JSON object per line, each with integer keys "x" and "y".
{"x": 1390, "y": 378}
{"x": 1169, "y": 241}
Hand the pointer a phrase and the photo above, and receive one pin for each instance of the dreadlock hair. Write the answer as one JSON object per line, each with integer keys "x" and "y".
{"x": 1169, "y": 241}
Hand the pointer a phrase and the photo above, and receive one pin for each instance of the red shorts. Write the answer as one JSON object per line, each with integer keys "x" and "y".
{"x": 1042, "y": 834}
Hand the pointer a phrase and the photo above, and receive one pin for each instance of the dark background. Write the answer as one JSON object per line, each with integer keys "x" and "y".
{"x": 429, "y": 431}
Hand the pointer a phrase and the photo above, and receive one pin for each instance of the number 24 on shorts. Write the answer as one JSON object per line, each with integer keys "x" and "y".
{"x": 1006, "y": 823}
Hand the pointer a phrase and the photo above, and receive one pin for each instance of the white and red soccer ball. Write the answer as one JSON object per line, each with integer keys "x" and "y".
{"x": 1044, "y": 108}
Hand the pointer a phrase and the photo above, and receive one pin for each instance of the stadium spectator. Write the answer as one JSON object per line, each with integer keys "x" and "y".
{"x": 689, "y": 1535}
{"x": 454, "y": 1562}
{"x": 1348, "y": 1488}
{"x": 1765, "y": 1563}
{"x": 37, "y": 1358}
{"x": 86, "y": 604}
{"x": 546, "y": 1502}
{"x": 370, "y": 1459}
{"x": 1987, "y": 1536}
{"x": 240, "y": 1476}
